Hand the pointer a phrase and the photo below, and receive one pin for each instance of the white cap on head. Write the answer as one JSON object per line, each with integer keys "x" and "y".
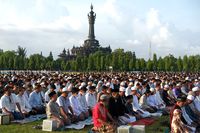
{"x": 190, "y": 97}
{"x": 195, "y": 89}
{"x": 152, "y": 89}
{"x": 64, "y": 89}
{"x": 94, "y": 85}
{"x": 69, "y": 78}
{"x": 100, "y": 82}
{"x": 108, "y": 84}
{"x": 83, "y": 84}
{"x": 133, "y": 88}
{"x": 166, "y": 86}
{"x": 122, "y": 84}
{"x": 122, "y": 89}
{"x": 130, "y": 84}
{"x": 178, "y": 85}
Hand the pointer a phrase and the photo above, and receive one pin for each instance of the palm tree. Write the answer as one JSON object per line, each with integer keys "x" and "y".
{"x": 21, "y": 51}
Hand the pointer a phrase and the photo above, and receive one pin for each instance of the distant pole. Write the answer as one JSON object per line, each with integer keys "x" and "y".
{"x": 150, "y": 54}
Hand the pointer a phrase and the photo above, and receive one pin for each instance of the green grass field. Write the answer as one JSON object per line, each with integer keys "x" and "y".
{"x": 159, "y": 126}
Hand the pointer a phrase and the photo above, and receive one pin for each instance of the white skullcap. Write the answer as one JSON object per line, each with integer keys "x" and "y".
{"x": 152, "y": 89}
{"x": 64, "y": 89}
{"x": 133, "y": 88}
{"x": 130, "y": 84}
{"x": 94, "y": 85}
{"x": 122, "y": 84}
{"x": 108, "y": 84}
{"x": 100, "y": 82}
{"x": 179, "y": 84}
{"x": 83, "y": 84}
{"x": 69, "y": 78}
{"x": 166, "y": 86}
{"x": 187, "y": 78}
{"x": 190, "y": 97}
{"x": 122, "y": 89}
{"x": 195, "y": 89}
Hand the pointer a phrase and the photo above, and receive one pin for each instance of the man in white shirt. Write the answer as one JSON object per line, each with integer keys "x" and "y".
{"x": 196, "y": 90}
{"x": 66, "y": 110}
{"x": 91, "y": 98}
{"x": 35, "y": 100}
{"x": 76, "y": 106}
{"x": 136, "y": 106}
{"x": 46, "y": 95}
{"x": 82, "y": 100}
{"x": 8, "y": 103}
{"x": 128, "y": 89}
{"x": 25, "y": 106}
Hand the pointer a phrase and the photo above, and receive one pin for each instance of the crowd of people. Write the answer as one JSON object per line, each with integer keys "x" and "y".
{"x": 112, "y": 99}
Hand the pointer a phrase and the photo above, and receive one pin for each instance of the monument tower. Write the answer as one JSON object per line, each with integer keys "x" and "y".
{"x": 91, "y": 41}
{"x": 90, "y": 45}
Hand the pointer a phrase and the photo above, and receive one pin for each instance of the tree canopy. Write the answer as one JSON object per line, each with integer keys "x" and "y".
{"x": 119, "y": 59}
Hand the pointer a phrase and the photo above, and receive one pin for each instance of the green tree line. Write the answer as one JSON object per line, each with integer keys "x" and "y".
{"x": 119, "y": 59}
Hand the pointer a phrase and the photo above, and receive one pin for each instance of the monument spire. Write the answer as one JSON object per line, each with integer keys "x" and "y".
{"x": 91, "y": 19}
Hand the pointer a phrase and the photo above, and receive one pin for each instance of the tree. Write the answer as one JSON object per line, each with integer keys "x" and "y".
{"x": 185, "y": 63}
{"x": 21, "y": 51}
{"x": 179, "y": 64}
{"x": 154, "y": 62}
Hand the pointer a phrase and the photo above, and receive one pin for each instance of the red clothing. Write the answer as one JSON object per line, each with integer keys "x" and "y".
{"x": 96, "y": 114}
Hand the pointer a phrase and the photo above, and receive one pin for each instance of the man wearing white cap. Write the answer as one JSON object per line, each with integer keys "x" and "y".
{"x": 136, "y": 106}
{"x": 65, "y": 108}
{"x": 160, "y": 101}
{"x": 196, "y": 90}
{"x": 122, "y": 94}
{"x": 128, "y": 89}
{"x": 191, "y": 111}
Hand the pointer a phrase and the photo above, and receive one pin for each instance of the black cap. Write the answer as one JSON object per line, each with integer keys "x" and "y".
{"x": 75, "y": 90}
{"x": 91, "y": 88}
{"x": 181, "y": 99}
{"x": 51, "y": 94}
{"x": 52, "y": 86}
{"x": 104, "y": 87}
{"x": 115, "y": 90}
{"x": 129, "y": 97}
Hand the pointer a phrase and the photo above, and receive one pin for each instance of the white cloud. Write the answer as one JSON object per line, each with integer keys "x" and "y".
{"x": 152, "y": 19}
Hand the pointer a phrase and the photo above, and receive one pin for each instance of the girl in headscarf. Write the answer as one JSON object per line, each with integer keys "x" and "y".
{"x": 177, "y": 126}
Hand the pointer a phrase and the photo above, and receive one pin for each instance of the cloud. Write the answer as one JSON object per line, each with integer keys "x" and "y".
{"x": 51, "y": 25}
{"x": 152, "y": 19}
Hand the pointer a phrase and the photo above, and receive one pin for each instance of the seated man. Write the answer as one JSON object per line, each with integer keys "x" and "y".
{"x": 166, "y": 98}
{"x": 129, "y": 107}
{"x": 118, "y": 110}
{"x": 136, "y": 106}
{"x": 82, "y": 101}
{"x": 74, "y": 102}
{"x": 103, "y": 91}
{"x": 91, "y": 98}
{"x": 196, "y": 91}
{"x": 191, "y": 113}
{"x": 144, "y": 104}
{"x": 66, "y": 110}
{"x": 101, "y": 116}
{"x": 46, "y": 95}
{"x": 25, "y": 106}
{"x": 8, "y": 103}
{"x": 53, "y": 111}
{"x": 36, "y": 100}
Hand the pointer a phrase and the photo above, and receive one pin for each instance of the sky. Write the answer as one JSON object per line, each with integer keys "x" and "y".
{"x": 171, "y": 26}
